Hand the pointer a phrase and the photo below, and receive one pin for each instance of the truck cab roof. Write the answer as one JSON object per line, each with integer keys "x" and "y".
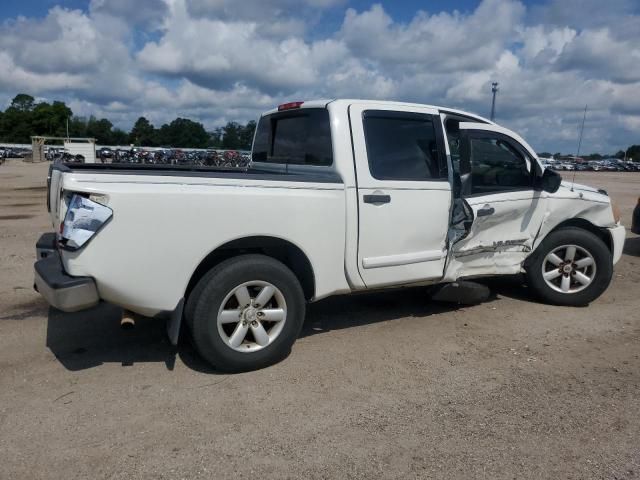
{"x": 323, "y": 103}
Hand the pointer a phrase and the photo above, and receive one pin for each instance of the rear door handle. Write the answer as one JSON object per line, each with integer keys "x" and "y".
{"x": 483, "y": 212}
{"x": 377, "y": 198}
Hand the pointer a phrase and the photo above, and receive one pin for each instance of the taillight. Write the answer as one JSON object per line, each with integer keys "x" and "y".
{"x": 83, "y": 219}
{"x": 289, "y": 106}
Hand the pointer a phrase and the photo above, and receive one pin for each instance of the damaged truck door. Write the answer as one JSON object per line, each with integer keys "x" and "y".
{"x": 500, "y": 183}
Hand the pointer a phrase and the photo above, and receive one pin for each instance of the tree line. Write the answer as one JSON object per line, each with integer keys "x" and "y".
{"x": 25, "y": 117}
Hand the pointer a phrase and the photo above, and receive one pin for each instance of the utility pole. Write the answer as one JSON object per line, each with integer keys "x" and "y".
{"x": 494, "y": 89}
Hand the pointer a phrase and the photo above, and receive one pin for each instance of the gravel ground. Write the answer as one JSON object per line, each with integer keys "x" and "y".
{"x": 378, "y": 386}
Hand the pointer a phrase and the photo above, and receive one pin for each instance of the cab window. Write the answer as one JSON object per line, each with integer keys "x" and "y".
{"x": 301, "y": 137}
{"x": 497, "y": 165}
{"x": 402, "y": 146}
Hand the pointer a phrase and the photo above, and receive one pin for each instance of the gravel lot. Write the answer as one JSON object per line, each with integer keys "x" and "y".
{"x": 378, "y": 386}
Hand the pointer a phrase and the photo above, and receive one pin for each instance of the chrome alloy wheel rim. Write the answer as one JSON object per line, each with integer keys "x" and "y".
{"x": 569, "y": 269}
{"x": 251, "y": 316}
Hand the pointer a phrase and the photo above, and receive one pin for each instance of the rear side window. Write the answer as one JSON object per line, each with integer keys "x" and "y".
{"x": 302, "y": 137}
{"x": 401, "y": 146}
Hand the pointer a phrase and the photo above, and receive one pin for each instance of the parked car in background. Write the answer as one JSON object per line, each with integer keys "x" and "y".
{"x": 105, "y": 154}
{"x": 594, "y": 166}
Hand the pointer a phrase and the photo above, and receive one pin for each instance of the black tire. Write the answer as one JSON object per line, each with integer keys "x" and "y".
{"x": 581, "y": 238}
{"x": 206, "y": 299}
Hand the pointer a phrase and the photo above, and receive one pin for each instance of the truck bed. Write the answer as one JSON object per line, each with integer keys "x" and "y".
{"x": 291, "y": 173}
{"x": 168, "y": 218}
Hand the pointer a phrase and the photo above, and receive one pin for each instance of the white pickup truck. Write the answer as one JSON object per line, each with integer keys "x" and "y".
{"x": 341, "y": 196}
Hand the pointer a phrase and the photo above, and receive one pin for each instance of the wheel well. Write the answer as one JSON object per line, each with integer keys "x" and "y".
{"x": 282, "y": 250}
{"x": 602, "y": 233}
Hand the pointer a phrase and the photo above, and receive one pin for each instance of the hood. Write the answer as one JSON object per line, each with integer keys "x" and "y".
{"x": 597, "y": 194}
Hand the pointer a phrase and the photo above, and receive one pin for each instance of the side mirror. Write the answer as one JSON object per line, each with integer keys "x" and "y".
{"x": 551, "y": 180}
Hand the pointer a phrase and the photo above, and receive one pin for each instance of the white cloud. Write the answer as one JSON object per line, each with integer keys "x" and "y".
{"x": 149, "y": 13}
{"x": 65, "y": 41}
{"x": 220, "y": 60}
{"x": 217, "y": 54}
{"x": 599, "y": 55}
{"x": 441, "y": 42}
{"x": 542, "y": 45}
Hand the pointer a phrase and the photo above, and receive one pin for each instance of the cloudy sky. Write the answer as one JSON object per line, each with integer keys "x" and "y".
{"x": 220, "y": 60}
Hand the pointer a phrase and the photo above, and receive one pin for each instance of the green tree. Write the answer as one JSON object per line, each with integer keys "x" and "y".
{"x": 100, "y": 130}
{"x": 246, "y": 135}
{"x": 24, "y": 118}
{"x": 215, "y": 138}
{"x": 23, "y": 102}
{"x": 183, "y": 132}
{"x": 16, "y": 125}
{"x": 41, "y": 119}
{"x": 17, "y": 118}
{"x": 77, "y": 127}
{"x": 50, "y": 119}
{"x": 231, "y": 136}
{"x": 119, "y": 137}
{"x": 59, "y": 114}
{"x": 143, "y": 133}
{"x": 633, "y": 152}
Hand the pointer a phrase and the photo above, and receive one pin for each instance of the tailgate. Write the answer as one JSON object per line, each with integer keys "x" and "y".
{"x": 54, "y": 187}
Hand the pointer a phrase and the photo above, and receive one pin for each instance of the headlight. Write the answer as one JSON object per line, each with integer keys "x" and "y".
{"x": 83, "y": 219}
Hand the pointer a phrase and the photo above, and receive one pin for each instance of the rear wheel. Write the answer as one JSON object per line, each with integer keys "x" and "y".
{"x": 246, "y": 313}
{"x": 572, "y": 266}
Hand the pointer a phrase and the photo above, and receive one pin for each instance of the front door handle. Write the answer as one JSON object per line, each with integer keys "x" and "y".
{"x": 377, "y": 199}
{"x": 483, "y": 212}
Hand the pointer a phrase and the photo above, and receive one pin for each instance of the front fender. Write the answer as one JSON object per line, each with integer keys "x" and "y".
{"x": 578, "y": 211}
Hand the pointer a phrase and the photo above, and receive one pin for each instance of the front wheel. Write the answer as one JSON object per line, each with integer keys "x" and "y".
{"x": 571, "y": 267}
{"x": 246, "y": 313}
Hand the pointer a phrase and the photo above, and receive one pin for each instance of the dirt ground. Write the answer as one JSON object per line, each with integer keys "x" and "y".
{"x": 378, "y": 386}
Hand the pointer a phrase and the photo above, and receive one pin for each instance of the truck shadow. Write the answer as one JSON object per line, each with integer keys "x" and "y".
{"x": 359, "y": 309}
{"x": 366, "y": 308}
{"x": 91, "y": 338}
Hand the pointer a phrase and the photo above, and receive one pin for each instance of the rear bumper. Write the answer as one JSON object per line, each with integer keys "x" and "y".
{"x": 46, "y": 245}
{"x": 617, "y": 236}
{"x": 60, "y": 289}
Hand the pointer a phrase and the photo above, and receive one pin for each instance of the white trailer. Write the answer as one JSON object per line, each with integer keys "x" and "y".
{"x": 74, "y": 146}
{"x": 85, "y": 148}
